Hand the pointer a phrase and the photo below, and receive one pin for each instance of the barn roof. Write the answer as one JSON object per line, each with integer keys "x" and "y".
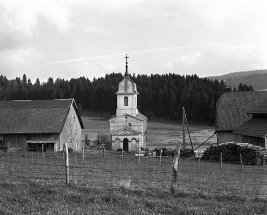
{"x": 232, "y": 108}
{"x": 260, "y": 109}
{"x": 255, "y": 127}
{"x": 35, "y": 116}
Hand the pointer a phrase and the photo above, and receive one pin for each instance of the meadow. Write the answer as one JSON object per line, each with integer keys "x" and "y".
{"x": 109, "y": 183}
{"x": 35, "y": 183}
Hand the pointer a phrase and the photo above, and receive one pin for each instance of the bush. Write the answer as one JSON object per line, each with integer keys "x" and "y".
{"x": 231, "y": 153}
{"x": 187, "y": 153}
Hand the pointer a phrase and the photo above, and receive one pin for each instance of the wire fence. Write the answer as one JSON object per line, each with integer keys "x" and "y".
{"x": 93, "y": 168}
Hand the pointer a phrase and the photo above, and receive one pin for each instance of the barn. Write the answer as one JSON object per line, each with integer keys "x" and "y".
{"x": 254, "y": 131}
{"x": 40, "y": 124}
{"x": 231, "y": 113}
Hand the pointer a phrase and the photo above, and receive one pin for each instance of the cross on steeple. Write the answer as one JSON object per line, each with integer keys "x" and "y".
{"x": 126, "y": 72}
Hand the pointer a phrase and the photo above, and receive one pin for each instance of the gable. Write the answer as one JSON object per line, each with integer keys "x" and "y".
{"x": 232, "y": 108}
{"x": 125, "y": 131}
{"x": 129, "y": 117}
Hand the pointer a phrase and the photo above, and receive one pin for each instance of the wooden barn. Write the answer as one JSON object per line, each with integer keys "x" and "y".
{"x": 231, "y": 113}
{"x": 40, "y": 124}
{"x": 254, "y": 131}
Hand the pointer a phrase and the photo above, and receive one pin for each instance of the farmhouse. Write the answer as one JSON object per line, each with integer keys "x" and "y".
{"x": 231, "y": 113}
{"x": 37, "y": 124}
{"x": 128, "y": 127}
{"x": 254, "y": 131}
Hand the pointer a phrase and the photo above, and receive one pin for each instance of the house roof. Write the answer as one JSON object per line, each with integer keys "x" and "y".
{"x": 232, "y": 108}
{"x": 127, "y": 86}
{"x": 35, "y": 116}
{"x": 255, "y": 127}
{"x": 260, "y": 109}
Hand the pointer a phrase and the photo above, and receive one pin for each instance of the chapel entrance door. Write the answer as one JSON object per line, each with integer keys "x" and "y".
{"x": 125, "y": 145}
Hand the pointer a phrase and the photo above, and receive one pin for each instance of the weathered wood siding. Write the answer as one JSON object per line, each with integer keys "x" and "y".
{"x": 71, "y": 132}
{"x": 19, "y": 140}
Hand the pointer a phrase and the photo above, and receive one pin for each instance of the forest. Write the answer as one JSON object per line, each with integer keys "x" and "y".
{"x": 159, "y": 95}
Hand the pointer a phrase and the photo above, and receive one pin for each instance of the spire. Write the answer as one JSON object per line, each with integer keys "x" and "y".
{"x": 126, "y": 72}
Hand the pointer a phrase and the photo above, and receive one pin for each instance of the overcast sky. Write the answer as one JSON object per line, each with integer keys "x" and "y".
{"x": 74, "y": 38}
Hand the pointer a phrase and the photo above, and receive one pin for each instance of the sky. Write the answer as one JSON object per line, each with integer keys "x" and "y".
{"x": 74, "y": 38}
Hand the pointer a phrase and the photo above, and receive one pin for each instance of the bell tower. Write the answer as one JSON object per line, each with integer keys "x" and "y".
{"x": 127, "y": 95}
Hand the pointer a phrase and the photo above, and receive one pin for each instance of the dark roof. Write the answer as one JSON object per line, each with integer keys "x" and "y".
{"x": 255, "y": 127}
{"x": 232, "y": 108}
{"x": 260, "y": 109}
{"x": 36, "y": 116}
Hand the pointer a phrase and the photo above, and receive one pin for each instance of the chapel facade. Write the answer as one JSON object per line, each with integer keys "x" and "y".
{"x": 128, "y": 127}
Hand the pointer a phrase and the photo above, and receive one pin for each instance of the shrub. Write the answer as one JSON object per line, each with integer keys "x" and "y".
{"x": 187, "y": 153}
{"x": 231, "y": 153}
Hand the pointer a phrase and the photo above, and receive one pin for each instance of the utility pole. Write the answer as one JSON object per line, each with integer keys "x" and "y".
{"x": 184, "y": 141}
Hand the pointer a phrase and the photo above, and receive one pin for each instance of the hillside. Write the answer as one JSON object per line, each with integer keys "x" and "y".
{"x": 256, "y": 78}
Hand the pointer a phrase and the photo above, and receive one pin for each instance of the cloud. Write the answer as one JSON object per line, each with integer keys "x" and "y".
{"x": 24, "y": 15}
{"x": 190, "y": 59}
{"x": 22, "y": 56}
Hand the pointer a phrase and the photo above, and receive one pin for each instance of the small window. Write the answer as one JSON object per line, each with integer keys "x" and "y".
{"x": 125, "y": 101}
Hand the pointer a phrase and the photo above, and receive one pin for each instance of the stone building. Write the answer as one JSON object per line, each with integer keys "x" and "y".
{"x": 128, "y": 127}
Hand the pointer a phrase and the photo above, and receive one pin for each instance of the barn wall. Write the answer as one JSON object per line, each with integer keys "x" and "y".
{"x": 225, "y": 136}
{"x": 257, "y": 141}
{"x": 71, "y": 132}
{"x": 18, "y": 140}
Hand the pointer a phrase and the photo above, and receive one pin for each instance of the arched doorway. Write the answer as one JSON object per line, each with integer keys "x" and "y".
{"x": 125, "y": 144}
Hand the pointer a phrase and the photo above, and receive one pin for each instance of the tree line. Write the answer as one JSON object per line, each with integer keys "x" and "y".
{"x": 160, "y": 95}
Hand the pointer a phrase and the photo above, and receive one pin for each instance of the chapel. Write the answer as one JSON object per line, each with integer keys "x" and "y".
{"x": 128, "y": 127}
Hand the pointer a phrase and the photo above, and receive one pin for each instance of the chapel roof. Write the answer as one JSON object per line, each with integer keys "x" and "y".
{"x": 127, "y": 86}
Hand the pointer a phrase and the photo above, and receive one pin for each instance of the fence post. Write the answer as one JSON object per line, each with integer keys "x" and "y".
{"x": 83, "y": 152}
{"x": 103, "y": 152}
{"x": 67, "y": 165}
{"x": 198, "y": 159}
{"x": 241, "y": 161}
{"x": 122, "y": 155}
{"x": 221, "y": 160}
{"x": 160, "y": 154}
{"x": 175, "y": 167}
{"x": 263, "y": 162}
{"x": 42, "y": 150}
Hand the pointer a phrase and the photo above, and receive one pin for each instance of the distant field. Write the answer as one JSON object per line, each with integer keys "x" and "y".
{"x": 160, "y": 134}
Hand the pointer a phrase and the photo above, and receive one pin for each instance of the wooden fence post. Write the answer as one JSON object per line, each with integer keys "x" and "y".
{"x": 241, "y": 161}
{"x": 83, "y": 152}
{"x": 67, "y": 165}
{"x": 122, "y": 155}
{"x": 160, "y": 154}
{"x": 175, "y": 167}
{"x": 263, "y": 162}
{"x": 221, "y": 160}
{"x": 103, "y": 152}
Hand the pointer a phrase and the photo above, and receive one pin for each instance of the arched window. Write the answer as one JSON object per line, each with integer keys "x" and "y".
{"x": 125, "y": 101}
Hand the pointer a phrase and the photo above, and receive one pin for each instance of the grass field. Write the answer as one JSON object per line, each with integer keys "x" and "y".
{"x": 33, "y": 184}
